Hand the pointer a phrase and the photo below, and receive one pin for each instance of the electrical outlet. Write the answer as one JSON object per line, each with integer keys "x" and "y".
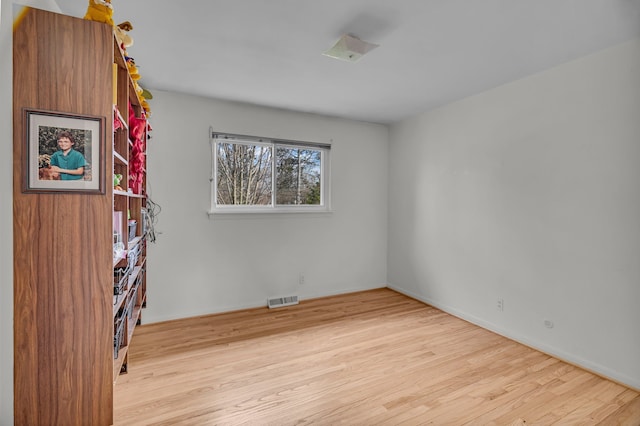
{"x": 301, "y": 279}
{"x": 500, "y": 305}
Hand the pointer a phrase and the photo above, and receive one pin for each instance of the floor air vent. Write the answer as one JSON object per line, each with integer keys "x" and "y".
{"x": 277, "y": 302}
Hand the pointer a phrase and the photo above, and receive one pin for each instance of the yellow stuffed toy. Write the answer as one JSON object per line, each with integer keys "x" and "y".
{"x": 133, "y": 69}
{"x": 122, "y": 34}
{"x": 100, "y": 11}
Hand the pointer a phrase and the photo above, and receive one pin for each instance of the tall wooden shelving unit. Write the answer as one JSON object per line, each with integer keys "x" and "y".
{"x": 130, "y": 203}
{"x": 65, "y": 310}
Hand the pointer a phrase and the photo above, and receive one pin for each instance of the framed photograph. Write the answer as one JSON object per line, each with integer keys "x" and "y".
{"x": 65, "y": 152}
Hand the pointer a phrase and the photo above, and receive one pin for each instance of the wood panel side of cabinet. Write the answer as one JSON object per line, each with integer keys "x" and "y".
{"x": 63, "y": 333}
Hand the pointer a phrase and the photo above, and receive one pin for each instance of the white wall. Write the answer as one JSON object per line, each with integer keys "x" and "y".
{"x": 6, "y": 217}
{"x": 531, "y": 193}
{"x": 202, "y": 265}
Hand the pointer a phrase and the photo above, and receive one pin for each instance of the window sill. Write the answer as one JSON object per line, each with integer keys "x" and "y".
{"x": 231, "y": 213}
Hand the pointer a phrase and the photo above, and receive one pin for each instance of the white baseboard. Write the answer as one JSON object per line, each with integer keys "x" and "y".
{"x": 573, "y": 359}
{"x": 150, "y": 319}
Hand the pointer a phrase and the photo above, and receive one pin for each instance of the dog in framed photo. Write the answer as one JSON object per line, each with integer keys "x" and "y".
{"x": 44, "y": 168}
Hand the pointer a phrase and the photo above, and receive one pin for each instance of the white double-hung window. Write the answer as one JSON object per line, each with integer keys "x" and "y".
{"x": 256, "y": 175}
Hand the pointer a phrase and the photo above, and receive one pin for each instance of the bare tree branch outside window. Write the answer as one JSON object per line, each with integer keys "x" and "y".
{"x": 244, "y": 174}
{"x": 298, "y": 176}
{"x": 263, "y": 174}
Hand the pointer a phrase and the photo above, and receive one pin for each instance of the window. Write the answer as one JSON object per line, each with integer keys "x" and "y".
{"x": 262, "y": 175}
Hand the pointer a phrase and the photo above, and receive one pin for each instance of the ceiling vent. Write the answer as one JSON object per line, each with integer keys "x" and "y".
{"x": 350, "y": 49}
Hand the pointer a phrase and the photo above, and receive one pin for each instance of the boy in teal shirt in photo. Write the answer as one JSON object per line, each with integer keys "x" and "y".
{"x": 67, "y": 161}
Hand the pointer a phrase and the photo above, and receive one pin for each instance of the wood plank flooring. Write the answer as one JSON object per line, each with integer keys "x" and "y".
{"x": 368, "y": 358}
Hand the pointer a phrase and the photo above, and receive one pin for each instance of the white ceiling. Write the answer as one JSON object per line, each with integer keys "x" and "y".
{"x": 269, "y": 52}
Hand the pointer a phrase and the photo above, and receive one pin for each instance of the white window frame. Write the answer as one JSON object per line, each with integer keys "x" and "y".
{"x": 325, "y": 178}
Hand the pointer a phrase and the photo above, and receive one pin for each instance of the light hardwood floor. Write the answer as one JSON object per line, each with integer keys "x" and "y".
{"x": 368, "y": 358}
